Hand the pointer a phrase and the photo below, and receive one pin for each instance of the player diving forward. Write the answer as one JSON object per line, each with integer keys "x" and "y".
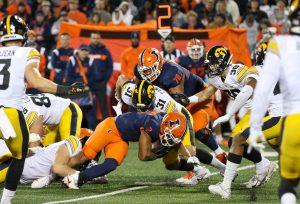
{"x": 239, "y": 82}
{"x": 146, "y": 97}
{"x": 18, "y": 66}
{"x": 113, "y": 134}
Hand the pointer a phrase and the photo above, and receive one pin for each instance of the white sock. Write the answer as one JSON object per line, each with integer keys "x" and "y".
{"x": 288, "y": 198}
{"x": 217, "y": 164}
{"x": 219, "y": 150}
{"x": 230, "y": 172}
{"x": 260, "y": 166}
{"x": 7, "y": 195}
{"x": 219, "y": 138}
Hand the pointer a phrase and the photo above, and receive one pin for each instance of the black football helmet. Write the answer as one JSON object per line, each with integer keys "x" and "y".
{"x": 13, "y": 28}
{"x": 260, "y": 53}
{"x": 143, "y": 96}
{"x": 217, "y": 60}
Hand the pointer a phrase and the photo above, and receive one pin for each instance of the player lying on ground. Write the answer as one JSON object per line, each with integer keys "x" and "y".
{"x": 61, "y": 116}
{"x": 113, "y": 134}
{"x": 146, "y": 97}
{"x": 239, "y": 81}
{"x": 42, "y": 165}
{"x": 179, "y": 83}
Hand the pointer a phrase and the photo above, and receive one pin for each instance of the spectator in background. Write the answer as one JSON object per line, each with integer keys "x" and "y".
{"x": 63, "y": 17}
{"x": 243, "y": 6}
{"x": 125, "y": 12}
{"x": 23, "y": 13}
{"x": 80, "y": 68}
{"x": 255, "y": 12}
{"x": 130, "y": 56}
{"x": 169, "y": 51}
{"x": 178, "y": 17}
{"x": 42, "y": 30}
{"x": 103, "y": 70}
{"x": 13, "y": 7}
{"x": 251, "y": 27}
{"x": 117, "y": 20}
{"x": 192, "y": 21}
{"x": 221, "y": 8}
{"x": 100, "y": 7}
{"x": 219, "y": 21}
{"x": 267, "y": 7}
{"x": 75, "y": 14}
{"x": 206, "y": 12}
{"x": 146, "y": 11}
{"x": 95, "y": 19}
{"x": 48, "y": 11}
{"x": 3, "y": 5}
{"x": 263, "y": 26}
{"x": 279, "y": 18}
{"x": 133, "y": 8}
{"x": 233, "y": 9}
{"x": 136, "y": 20}
{"x": 59, "y": 58}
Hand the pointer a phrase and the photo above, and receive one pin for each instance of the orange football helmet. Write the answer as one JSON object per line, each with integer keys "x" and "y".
{"x": 150, "y": 64}
{"x": 173, "y": 127}
{"x": 195, "y": 49}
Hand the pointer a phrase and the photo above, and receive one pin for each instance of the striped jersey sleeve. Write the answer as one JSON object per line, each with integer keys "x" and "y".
{"x": 33, "y": 56}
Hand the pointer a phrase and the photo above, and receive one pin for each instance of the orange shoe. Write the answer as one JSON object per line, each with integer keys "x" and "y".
{"x": 222, "y": 157}
{"x": 188, "y": 176}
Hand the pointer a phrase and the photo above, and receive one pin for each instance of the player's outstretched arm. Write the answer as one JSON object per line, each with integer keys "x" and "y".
{"x": 122, "y": 79}
{"x": 145, "y": 146}
{"x": 203, "y": 95}
{"x": 33, "y": 77}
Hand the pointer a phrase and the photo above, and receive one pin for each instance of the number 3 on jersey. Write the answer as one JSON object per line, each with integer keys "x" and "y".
{"x": 4, "y": 73}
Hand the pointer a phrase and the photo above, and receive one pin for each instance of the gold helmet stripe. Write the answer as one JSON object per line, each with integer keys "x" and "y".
{"x": 8, "y": 24}
{"x": 140, "y": 92}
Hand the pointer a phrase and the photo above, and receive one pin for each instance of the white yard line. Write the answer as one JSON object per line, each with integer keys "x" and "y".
{"x": 143, "y": 185}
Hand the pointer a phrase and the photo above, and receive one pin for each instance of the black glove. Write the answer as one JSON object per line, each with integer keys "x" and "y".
{"x": 75, "y": 88}
{"x": 181, "y": 98}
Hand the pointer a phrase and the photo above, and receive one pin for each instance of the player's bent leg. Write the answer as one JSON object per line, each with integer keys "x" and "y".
{"x": 70, "y": 122}
{"x": 3, "y": 170}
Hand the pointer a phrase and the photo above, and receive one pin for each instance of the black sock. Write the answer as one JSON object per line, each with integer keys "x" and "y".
{"x": 203, "y": 156}
{"x": 14, "y": 173}
{"x": 254, "y": 155}
{"x": 287, "y": 186}
{"x": 184, "y": 166}
{"x": 234, "y": 158}
{"x": 206, "y": 137}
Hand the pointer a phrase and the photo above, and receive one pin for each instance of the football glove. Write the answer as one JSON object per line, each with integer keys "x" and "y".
{"x": 181, "y": 98}
{"x": 75, "y": 88}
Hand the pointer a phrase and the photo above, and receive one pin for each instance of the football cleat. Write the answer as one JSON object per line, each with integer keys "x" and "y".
{"x": 71, "y": 181}
{"x": 222, "y": 157}
{"x": 219, "y": 190}
{"x": 188, "y": 176}
{"x": 43, "y": 182}
{"x": 200, "y": 174}
{"x": 99, "y": 180}
{"x": 261, "y": 179}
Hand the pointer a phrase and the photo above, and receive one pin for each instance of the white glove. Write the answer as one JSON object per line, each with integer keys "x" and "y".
{"x": 221, "y": 120}
{"x": 256, "y": 136}
{"x": 218, "y": 96}
{"x": 193, "y": 160}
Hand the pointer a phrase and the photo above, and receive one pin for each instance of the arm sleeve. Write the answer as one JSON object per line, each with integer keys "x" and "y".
{"x": 74, "y": 145}
{"x": 33, "y": 56}
{"x": 268, "y": 78}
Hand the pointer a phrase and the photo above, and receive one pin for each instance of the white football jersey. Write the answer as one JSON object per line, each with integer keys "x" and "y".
{"x": 235, "y": 80}
{"x": 13, "y": 61}
{"x": 47, "y": 105}
{"x": 163, "y": 101}
{"x": 39, "y": 164}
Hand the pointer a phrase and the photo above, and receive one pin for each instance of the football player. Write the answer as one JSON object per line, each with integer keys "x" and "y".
{"x": 180, "y": 84}
{"x": 146, "y": 97}
{"x": 18, "y": 66}
{"x": 239, "y": 82}
{"x": 282, "y": 63}
{"x": 61, "y": 117}
{"x": 113, "y": 134}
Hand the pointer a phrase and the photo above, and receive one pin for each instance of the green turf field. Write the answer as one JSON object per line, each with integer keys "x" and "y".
{"x": 158, "y": 189}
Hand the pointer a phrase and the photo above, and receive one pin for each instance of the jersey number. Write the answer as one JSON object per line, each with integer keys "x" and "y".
{"x": 4, "y": 73}
{"x": 41, "y": 101}
{"x": 160, "y": 104}
{"x": 232, "y": 93}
